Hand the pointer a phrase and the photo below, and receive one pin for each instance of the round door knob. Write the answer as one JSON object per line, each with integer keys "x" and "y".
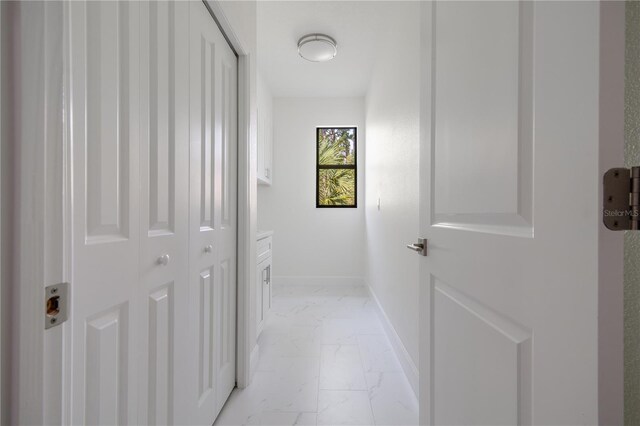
{"x": 163, "y": 260}
{"x": 208, "y": 248}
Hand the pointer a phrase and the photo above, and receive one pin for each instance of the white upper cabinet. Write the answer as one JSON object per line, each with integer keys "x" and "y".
{"x": 265, "y": 133}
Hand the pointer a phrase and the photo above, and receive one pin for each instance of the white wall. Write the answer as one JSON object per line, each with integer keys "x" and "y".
{"x": 391, "y": 167}
{"x": 311, "y": 245}
{"x": 265, "y": 127}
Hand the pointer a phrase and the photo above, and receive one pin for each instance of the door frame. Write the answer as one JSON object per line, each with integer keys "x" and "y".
{"x": 40, "y": 177}
{"x": 610, "y": 243}
{"x": 37, "y": 186}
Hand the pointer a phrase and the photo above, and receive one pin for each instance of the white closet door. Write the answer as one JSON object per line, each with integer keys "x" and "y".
{"x": 213, "y": 188}
{"x": 228, "y": 179}
{"x": 105, "y": 51}
{"x": 164, "y": 179}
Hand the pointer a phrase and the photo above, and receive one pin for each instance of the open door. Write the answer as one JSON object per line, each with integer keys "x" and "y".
{"x": 511, "y": 208}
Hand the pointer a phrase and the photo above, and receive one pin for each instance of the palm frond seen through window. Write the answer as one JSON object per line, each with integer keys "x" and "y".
{"x": 336, "y": 171}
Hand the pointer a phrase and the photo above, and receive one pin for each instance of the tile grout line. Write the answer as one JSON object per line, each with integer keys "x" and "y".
{"x": 323, "y": 321}
{"x": 319, "y": 371}
{"x": 364, "y": 374}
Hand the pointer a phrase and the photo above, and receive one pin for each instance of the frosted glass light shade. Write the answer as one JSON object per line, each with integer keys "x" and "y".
{"x": 317, "y": 47}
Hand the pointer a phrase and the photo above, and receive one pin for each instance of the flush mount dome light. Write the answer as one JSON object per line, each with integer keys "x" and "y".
{"x": 317, "y": 47}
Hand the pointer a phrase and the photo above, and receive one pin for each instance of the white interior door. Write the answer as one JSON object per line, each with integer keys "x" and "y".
{"x": 105, "y": 51}
{"x": 163, "y": 300}
{"x": 510, "y": 185}
{"x": 213, "y": 189}
{"x": 154, "y": 139}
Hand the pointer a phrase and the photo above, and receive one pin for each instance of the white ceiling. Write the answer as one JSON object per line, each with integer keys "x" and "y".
{"x": 357, "y": 27}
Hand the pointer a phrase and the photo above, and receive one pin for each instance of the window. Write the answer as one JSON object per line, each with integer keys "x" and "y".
{"x": 336, "y": 167}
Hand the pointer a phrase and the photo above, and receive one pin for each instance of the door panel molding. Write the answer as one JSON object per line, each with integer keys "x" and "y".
{"x": 162, "y": 120}
{"x": 108, "y": 98}
{"x": 464, "y": 195}
{"x": 161, "y": 360}
{"x": 501, "y": 373}
{"x": 106, "y": 364}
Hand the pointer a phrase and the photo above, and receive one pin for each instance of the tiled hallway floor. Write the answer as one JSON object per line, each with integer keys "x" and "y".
{"x": 324, "y": 360}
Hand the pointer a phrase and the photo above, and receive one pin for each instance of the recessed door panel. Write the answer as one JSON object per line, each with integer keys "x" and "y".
{"x": 223, "y": 306}
{"x": 482, "y": 103}
{"x": 207, "y": 132}
{"x": 160, "y": 361}
{"x": 227, "y": 113}
{"x": 108, "y": 101}
{"x": 487, "y": 352}
{"x": 226, "y": 336}
{"x": 162, "y": 106}
{"x": 106, "y": 366}
{"x": 206, "y": 334}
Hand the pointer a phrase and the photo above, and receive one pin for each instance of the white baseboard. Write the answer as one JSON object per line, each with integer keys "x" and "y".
{"x": 409, "y": 367}
{"x": 253, "y": 360}
{"x": 318, "y": 280}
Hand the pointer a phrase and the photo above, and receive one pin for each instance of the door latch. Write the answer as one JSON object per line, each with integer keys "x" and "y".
{"x": 621, "y": 204}
{"x": 56, "y": 306}
{"x": 420, "y": 246}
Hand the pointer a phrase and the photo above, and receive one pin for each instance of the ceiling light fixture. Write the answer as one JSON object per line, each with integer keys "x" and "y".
{"x": 317, "y": 47}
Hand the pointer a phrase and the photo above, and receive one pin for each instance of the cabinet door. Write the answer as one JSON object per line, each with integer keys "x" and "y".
{"x": 266, "y": 289}
{"x": 270, "y": 284}
{"x": 260, "y": 279}
{"x": 268, "y": 147}
{"x": 260, "y": 140}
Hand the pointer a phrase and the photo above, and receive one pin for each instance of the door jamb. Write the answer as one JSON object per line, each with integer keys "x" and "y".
{"x": 610, "y": 243}
{"x": 37, "y": 212}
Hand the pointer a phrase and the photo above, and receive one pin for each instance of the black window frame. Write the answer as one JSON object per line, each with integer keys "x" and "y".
{"x": 353, "y": 167}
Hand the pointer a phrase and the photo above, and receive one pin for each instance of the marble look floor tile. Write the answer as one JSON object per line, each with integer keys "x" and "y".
{"x": 344, "y": 408}
{"x": 291, "y": 341}
{"x": 377, "y": 354}
{"x": 392, "y": 399}
{"x": 284, "y": 419}
{"x": 269, "y": 418}
{"x": 319, "y": 290}
{"x": 341, "y": 368}
{"x": 346, "y": 331}
{"x": 318, "y": 338}
{"x": 242, "y": 406}
{"x": 291, "y": 386}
